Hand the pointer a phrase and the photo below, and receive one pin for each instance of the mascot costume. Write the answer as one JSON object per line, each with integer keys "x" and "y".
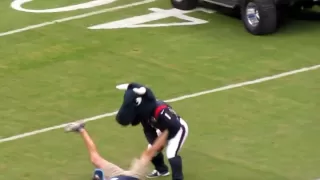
{"x": 140, "y": 106}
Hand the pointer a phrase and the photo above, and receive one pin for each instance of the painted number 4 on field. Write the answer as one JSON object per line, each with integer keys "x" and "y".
{"x": 156, "y": 14}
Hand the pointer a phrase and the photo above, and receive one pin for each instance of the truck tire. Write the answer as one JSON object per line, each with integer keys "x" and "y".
{"x": 184, "y": 4}
{"x": 259, "y": 16}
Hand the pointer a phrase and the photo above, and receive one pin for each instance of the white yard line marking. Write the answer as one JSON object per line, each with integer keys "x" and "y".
{"x": 74, "y": 17}
{"x": 260, "y": 80}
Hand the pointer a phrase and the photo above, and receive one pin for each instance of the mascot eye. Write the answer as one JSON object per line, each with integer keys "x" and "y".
{"x": 138, "y": 101}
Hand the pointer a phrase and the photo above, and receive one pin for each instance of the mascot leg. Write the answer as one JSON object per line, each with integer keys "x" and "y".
{"x": 176, "y": 166}
{"x": 158, "y": 162}
{"x": 161, "y": 169}
{"x": 173, "y": 148}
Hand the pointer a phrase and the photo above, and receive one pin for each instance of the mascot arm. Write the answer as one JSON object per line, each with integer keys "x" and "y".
{"x": 149, "y": 132}
{"x": 151, "y": 136}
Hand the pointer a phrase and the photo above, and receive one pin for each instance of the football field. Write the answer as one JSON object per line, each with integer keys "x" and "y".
{"x": 252, "y": 103}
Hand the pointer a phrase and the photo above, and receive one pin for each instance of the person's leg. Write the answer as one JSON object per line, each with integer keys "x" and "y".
{"x": 95, "y": 157}
{"x": 108, "y": 168}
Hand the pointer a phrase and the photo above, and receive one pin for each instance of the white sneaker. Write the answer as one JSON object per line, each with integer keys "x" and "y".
{"x": 75, "y": 126}
{"x": 155, "y": 174}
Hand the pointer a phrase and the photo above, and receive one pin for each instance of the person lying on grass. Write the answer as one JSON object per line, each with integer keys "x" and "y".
{"x": 106, "y": 170}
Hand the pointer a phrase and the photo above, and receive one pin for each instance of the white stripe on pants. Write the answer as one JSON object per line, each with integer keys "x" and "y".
{"x": 175, "y": 144}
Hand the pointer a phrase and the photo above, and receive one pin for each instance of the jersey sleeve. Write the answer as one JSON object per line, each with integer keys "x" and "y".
{"x": 149, "y": 132}
{"x": 170, "y": 120}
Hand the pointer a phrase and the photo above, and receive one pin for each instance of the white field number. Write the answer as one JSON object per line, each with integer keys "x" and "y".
{"x": 156, "y": 14}
{"x": 167, "y": 116}
{"x": 17, "y": 5}
{"x": 140, "y": 21}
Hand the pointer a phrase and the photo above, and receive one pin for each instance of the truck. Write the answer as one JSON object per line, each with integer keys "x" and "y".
{"x": 260, "y": 17}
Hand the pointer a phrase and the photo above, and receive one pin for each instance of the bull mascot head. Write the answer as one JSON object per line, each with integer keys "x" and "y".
{"x": 138, "y": 103}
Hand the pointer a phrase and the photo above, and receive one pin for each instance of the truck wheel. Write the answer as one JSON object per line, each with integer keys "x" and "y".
{"x": 184, "y": 4}
{"x": 259, "y": 16}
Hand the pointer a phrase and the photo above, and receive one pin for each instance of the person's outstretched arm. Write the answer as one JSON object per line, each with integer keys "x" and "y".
{"x": 159, "y": 143}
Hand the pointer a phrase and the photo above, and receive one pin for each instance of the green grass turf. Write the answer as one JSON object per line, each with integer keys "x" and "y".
{"x": 63, "y": 72}
{"x": 264, "y": 131}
